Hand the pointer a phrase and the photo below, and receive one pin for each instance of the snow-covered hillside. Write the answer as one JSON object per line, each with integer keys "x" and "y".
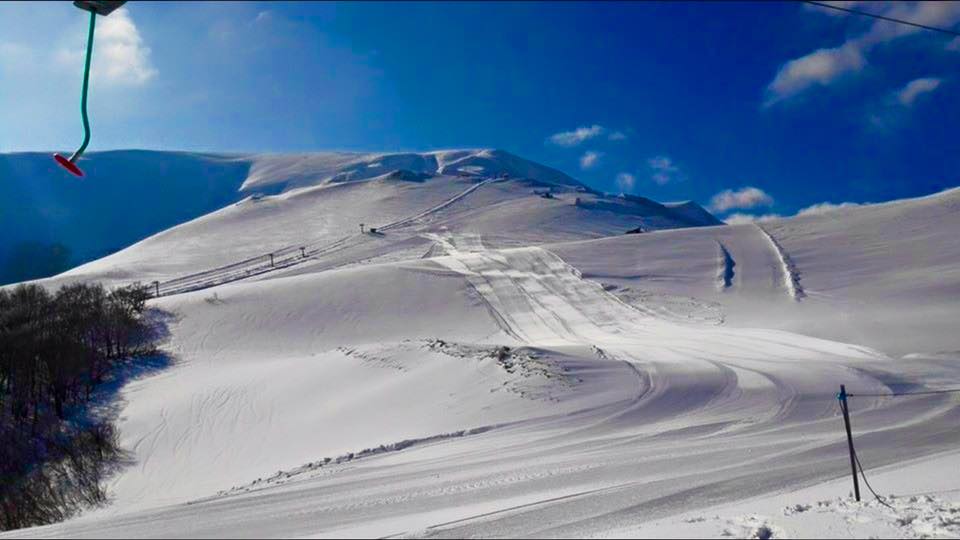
{"x": 218, "y": 209}
{"x": 126, "y": 196}
{"x": 493, "y": 362}
{"x": 887, "y": 275}
{"x": 320, "y": 200}
{"x": 284, "y": 172}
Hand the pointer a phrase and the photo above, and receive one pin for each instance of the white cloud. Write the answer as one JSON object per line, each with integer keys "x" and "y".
{"x": 589, "y": 159}
{"x": 827, "y": 65}
{"x": 941, "y": 14}
{"x": 746, "y": 197}
{"x": 739, "y": 218}
{"x": 664, "y": 169}
{"x": 833, "y": 12}
{"x": 626, "y": 182}
{"x": 16, "y": 56}
{"x": 13, "y": 51}
{"x": 577, "y": 136}
{"x": 120, "y": 57}
{"x": 824, "y": 207}
{"x": 617, "y": 136}
{"x": 821, "y": 67}
{"x": 263, "y": 16}
{"x": 915, "y": 88}
{"x": 895, "y": 110}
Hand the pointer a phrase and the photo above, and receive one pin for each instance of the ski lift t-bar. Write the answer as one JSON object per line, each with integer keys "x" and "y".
{"x": 95, "y": 7}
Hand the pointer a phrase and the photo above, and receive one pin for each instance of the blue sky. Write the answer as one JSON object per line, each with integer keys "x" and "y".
{"x": 752, "y": 108}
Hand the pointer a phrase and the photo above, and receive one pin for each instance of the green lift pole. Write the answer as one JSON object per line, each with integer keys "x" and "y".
{"x": 94, "y": 7}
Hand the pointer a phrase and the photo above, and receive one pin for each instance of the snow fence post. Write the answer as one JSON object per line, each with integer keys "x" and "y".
{"x": 156, "y": 285}
{"x": 303, "y": 253}
{"x": 842, "y": 396}
{"x": 271, "y": 259}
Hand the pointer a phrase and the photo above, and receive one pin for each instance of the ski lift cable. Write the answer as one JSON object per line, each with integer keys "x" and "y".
{"x": 882, "y": 17}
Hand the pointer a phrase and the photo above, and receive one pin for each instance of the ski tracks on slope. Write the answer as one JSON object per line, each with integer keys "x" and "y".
{"x": 791, "y": 276}
{"x": 292, "y": 255}
{"x": 725, "y": 267}
{"x": 545, "y": 302}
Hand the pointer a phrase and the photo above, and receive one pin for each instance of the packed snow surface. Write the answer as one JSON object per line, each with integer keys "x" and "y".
{"x": 497, "y": 363}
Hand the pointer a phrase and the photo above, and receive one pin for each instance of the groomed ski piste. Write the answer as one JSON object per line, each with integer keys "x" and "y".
{"x": 493, "y": 362}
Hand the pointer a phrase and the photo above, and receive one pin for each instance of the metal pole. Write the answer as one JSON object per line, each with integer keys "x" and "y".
{"x": 842, "y": 396}
{"x": 83, "y": 92}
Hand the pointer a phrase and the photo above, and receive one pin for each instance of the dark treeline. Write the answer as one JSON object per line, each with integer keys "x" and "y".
{"x": 55, "y": 349}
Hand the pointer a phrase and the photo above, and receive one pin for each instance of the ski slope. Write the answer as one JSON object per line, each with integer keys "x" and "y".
{"x": 130, "y": 195}
{"x": 318, "y": 201}
{"x": 884, "y": 275}
{"x": 497, "y": 364}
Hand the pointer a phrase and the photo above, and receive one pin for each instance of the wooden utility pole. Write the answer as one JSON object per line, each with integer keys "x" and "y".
{"x": 842, "y": 396}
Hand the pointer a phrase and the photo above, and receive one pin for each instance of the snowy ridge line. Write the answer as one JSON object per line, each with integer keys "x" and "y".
{"x": 791, "y": 277}
{"x": 725, "y": 264}
{"x": 266, "y": 483}
{"x": 260, "y": 264}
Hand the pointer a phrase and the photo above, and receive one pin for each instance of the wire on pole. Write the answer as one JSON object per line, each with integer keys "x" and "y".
{"x": 898, "y": 394}
{"x": 882, "y": 17}
{"x": 867, "y": 483}
{"x": 842, "y": 400}
{"x": 855, "y": 458}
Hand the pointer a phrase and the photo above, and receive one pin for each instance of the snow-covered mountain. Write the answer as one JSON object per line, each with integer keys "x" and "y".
{"x": 286, "y": 200}
{"x": 284, "y": 172}
{"x": 494, "y": 362}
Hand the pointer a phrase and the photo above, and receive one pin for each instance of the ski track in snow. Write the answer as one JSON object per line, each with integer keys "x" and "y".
{"x": 791, "y": 277}
{"x": 726, "y": 264}
{"x": 291, "y": 255}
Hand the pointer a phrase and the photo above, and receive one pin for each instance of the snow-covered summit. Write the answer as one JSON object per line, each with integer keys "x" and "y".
{"x": 279, "y": 172}
{"x": 191, "y": 212}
